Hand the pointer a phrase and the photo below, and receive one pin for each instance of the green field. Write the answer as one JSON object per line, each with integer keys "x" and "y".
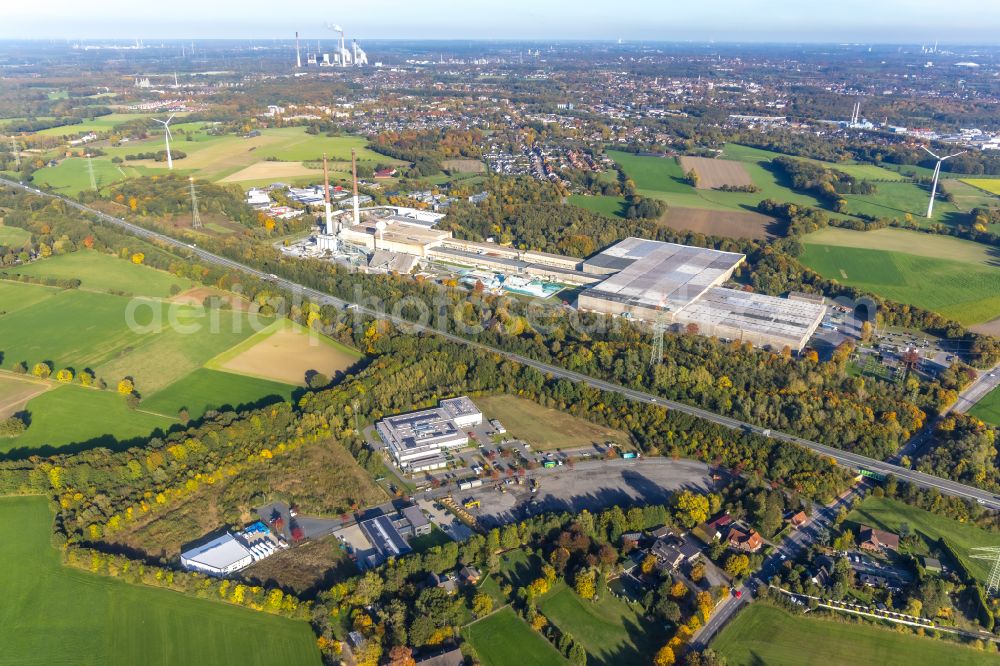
{"x": 99, "y": 124}
{"x": 56, "y": 615}
{"x": 228, "y": 157}
{"x": 602, "y": 205}
{"x": 608, "y": 629}
{"x": 81, "y": 416}
{"x": 988, "y": 409}
{"x": 887, "y": 514}
{"x": 762, "y": 634}
{"x": 546, "y": 428}
{"x": 735, "y": 151}
{"x": 895, "y": 200}
{"x": 104, "y": 272}
{"x": 503, "y": 639}
{"x": 13, "y": 236}
{"x": 17, "y": 296}
{"x": 206, "y": 389}
{"x": 967, "y": 293}
{"x": 908, "y": 242}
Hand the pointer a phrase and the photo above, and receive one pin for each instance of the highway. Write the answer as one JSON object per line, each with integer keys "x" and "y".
{"x": 843, "y": 458}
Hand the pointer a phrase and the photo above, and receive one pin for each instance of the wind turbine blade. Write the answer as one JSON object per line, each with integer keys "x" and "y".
{"x": 171, "y": 118}
{"x": 927, "y": 150}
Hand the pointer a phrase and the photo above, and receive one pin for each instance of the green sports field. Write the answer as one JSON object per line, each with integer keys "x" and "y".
{"x": 55, "y": 615}
{"x": 968, "y": 293}
{"x": 762, "y": 634}
{"x": 608, "y": 629}
{"x": 104, "y": 272}
{"x": 988, "y": 409}
{"x": 888, "y": 514}
{"x": 503, "y": 639}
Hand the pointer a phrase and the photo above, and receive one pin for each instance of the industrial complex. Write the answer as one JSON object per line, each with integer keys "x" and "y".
{"x": 666, "y": 284}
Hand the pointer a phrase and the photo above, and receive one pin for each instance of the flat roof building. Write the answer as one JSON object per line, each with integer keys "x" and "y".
{"x": 417, "y": 439}
{"x": 679, "y": 284}
{"x": 220, "y": 556}
{"x": 384, "y": 536}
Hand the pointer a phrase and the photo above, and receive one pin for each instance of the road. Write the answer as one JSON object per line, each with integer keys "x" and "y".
{"x": 797, "y": 542}
{"x": 844, "y": 458}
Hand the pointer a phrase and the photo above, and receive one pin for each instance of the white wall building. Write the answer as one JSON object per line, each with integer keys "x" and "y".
{"x": 220, "y": 556}
{"x": 418, "y": 439}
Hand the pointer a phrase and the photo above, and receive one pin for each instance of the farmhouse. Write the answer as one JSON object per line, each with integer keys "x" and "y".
{"x": 220, "y": 556}
{"x": 417, "y": 440}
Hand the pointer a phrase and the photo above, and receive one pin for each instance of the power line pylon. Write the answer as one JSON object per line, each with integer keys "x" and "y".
{"x": 195, "y": 216}
{"x": 17, "y": 153}
{"x": 90, "y": 170}
{"x": 991, "y": 554}
{"x": 659, "y": 328}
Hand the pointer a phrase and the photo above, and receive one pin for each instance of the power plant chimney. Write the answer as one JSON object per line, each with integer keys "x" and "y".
{"x": 354, "y": 172}
{"x": 298, "y": 54}
{"x": 326, "y": 196}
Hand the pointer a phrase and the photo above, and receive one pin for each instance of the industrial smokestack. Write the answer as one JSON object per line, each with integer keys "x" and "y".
{"x": 326, "y": 196}
{"x": 298, "y": 54}
{"x": 354, "y": 172}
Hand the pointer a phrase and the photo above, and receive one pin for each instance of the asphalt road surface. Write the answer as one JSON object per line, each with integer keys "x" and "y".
{"x": 850, "y": 460}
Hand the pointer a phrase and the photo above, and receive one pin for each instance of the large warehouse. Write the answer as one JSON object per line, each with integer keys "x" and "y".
{"x": 682, "y": 285}
{"x": 220, "y": 556}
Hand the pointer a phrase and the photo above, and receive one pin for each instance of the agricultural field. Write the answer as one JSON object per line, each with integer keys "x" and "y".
{"x": 165, "y": 347}
{"x": 13, "y": 236}
{"x": 286, "y": 352}
{"x": 503, "y": 639}
{"x": 991, "y": 185}
{"x": 286, "y": 153}
{"x": 735, "y": 151}
{"x": 104, "y": 621}
{"x": 17, "y": 390}
{"x": 608, "y": 629}
{"x": 105, "y": 272}
{"x": 98, "y": 124}
{"x": 204, "y": 389}
{"x": 888, "y": 514}
{"x": 546, "y": 428}
{"x": 82, "y": 417}
{"x": 895, "y": 200}
{"x": 964, "y": 289}
{"x": 987, "y": 409}
{"x": 762, "y": 634}
{"x": 602, "y": 205}
{"x": 714, "y": 173}
{"x": 464, "y": 166}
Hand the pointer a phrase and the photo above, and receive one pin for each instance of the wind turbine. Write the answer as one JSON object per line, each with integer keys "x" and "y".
{"x": 937, "y": 172}
{"x": 166, "y": 138}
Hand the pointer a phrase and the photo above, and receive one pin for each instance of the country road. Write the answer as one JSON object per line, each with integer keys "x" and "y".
{"x": 844, "y": 458}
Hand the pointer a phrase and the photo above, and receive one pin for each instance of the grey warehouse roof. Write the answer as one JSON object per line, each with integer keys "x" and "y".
{"x": 659, "y": 275}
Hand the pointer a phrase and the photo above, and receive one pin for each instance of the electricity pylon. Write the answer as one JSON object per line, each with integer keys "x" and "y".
{"x": 17, "y": 153}
{"x": 991, "y": 554}
{"x": 90, "y": 170}
{"x": 195, "y": 217}
{"x": 659, "y": 328}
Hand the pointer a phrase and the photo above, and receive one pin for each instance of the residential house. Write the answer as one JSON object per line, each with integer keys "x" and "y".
{"x": 713, "y": 529}
{"x": 799, "y": 519}
{"x": 746, "y": 542}
{"x": 452, "y": 657}
{"x": 469, "y": 575}
{"x": 444, "y": 581}
{"x": 876, "y": 541}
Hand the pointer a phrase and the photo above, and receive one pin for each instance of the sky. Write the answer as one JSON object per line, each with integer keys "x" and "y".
{"x": 865, "y": 21}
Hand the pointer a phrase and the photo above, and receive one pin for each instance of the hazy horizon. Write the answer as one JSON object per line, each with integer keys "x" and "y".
{"x": 894, "y": 22}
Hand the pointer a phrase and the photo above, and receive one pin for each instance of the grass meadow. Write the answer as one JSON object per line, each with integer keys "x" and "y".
{"x": 545, "y": 428}
{"x": 888, "y": 514}
{"x": 206, "y": 389}
{"x": 13, "y": 236}
{"x": 55, "y": 615}
{"x": 988, "y": 409}
{"x": 503, "y": 639}
{"x": 610, "y": 631}
{"x": 957, "y": 289}
{"x": 104, "y": 272}
{"x": 762, "y": 634}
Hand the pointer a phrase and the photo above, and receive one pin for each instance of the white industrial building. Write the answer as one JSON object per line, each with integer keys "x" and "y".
{"x": 220, "y": 556}
{"x": 679, "y": 284}
{"x": 417, "y": 440}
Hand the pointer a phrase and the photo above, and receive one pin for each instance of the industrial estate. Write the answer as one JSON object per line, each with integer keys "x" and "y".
{"x": 332, "y": 349}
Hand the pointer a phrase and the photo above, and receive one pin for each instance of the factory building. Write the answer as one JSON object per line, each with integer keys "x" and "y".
{"x": 417, "y": 441}
{"x": 220, "y": 556}
{"x": 682, "y": 285}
